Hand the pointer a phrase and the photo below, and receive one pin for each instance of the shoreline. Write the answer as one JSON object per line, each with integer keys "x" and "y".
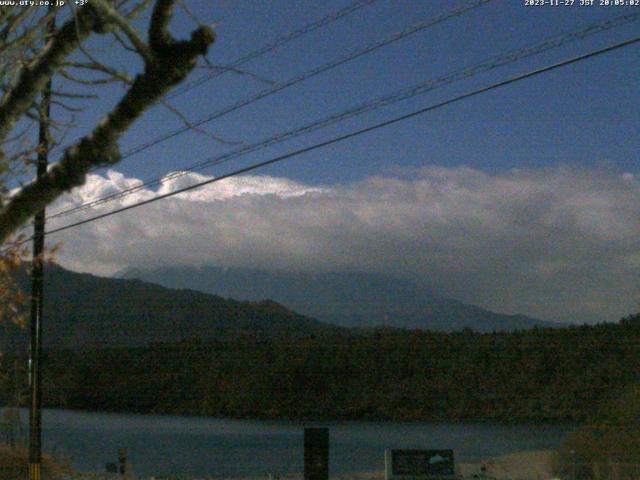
{"x": 521, "y": 465}
{"x": 277, "y": 420}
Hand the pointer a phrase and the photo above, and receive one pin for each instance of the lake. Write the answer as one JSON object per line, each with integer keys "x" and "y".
{"x": 192, "y": 446}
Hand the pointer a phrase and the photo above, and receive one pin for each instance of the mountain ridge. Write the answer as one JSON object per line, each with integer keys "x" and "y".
{"x": 87, "y": 311}
{"x": 348, "y": 299}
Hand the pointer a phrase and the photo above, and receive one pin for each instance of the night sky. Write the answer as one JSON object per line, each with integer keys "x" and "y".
{"x": 523, "y": 199}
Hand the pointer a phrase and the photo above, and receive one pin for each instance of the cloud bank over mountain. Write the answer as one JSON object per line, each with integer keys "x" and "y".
{"x": 561, "y": 243}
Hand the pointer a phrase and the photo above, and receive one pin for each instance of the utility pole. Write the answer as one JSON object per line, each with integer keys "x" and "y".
{"x": 37, "y": 290}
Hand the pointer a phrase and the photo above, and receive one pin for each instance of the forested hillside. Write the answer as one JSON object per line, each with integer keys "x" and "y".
{"x": 541, "y": 375}
{"x": 86, "y": 311}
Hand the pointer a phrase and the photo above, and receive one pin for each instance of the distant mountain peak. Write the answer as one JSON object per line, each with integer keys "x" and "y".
{"x": 351, "y": 299}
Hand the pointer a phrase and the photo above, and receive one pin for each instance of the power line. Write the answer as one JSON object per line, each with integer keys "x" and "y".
{"x": 269, "y": 47}
{"x": 307, "y": 75}
{"x": 279, "y": 42}
{"x": 415, "y": 90}
{"x": 353, "y": 134}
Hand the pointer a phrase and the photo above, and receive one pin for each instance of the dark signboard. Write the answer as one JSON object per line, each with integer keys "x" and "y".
{"x": 316, "y": 454}
{"x": 422, "y": 462}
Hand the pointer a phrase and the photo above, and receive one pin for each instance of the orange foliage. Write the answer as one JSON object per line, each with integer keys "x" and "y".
{"x": 11, "y": 296}
{"x": 13, "y": 464}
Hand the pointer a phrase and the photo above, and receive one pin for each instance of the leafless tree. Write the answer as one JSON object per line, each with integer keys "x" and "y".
{"x": 31, "y": 54}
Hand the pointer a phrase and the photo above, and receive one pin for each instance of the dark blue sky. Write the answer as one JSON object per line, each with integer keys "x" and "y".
{"x": 525, "y": 199}
{"x": 585, "y": 114}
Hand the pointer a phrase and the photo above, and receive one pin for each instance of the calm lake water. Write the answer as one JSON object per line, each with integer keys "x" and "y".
{"x": 191, "y": 446}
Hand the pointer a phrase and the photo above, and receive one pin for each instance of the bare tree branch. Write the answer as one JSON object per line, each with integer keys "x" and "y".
{"x": 62, "y": 94}
{"x": 159, "y": 37}
{"x": 89, "y": 82}
{"x": 100, "y": 67}
{"x": 140, "y": 7}
{"x": 26, "y": 37}
{"x": 169, "y": 63}
{"x": 196, "y": 129}
{"x": 122, "y": 43}
{"x": 66, "y": 106}
{"x": 34, "y": 76}
{"x": 13, "y": 22}
{"x": 123, "y": 24}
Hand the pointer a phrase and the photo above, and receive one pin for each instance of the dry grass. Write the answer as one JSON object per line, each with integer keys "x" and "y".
{"x": 526, "y": 465}
{"x": 14, "y": 461}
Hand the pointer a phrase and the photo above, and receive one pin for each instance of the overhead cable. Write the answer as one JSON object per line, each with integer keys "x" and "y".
{"x": 394, "y": 37}
{"x": 403, "y": 94}
{"x": 279, "y": 42}
{"x": 347, "y": 136}
{"x": 269, "y": 47}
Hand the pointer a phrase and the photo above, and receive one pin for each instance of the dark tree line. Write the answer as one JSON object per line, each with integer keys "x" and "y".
{"x": 536, "y": 375}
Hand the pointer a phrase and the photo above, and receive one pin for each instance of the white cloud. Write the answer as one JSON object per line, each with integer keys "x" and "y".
{"x": 559, "y": 243}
